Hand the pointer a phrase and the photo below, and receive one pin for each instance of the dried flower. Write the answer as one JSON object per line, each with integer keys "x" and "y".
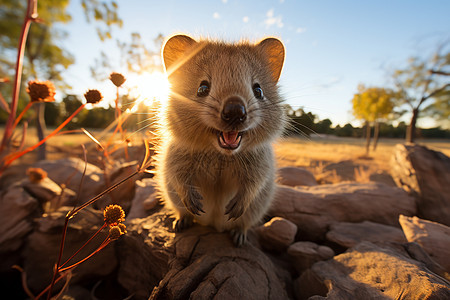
{"x": 114, "y": 215}
{"x": 36, "y": 175}
{"x": 117, "y": 78}
{"x": 122, "y": 228}
{"x": 115, "y": 232}
{"x": 93, "y": 96}
{"x": 41, "y": 91}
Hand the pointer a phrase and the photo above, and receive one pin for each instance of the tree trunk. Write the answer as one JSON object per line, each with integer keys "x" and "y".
{"x": 376, "y": 132}
{"x": 411, "y": 130}
{"x": 367, "y": 138}
{"x": 40, "y": 128}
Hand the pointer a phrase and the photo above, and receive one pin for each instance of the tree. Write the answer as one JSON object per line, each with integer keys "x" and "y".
{"x": 135, "y": 56}
{"x": 44, "y": 58}
{"x": 372, "y": 105}
{"x": 424, "y": 80}
{"x": 300, "y": 122}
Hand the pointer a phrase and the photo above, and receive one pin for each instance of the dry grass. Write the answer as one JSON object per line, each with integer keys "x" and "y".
{"x": 333, "y": 159}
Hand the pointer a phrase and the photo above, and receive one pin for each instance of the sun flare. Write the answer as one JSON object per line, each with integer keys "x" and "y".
{"x": 152, "y": 87}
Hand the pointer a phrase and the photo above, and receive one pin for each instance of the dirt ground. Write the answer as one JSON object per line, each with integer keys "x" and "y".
{"x": 331, "y": 159}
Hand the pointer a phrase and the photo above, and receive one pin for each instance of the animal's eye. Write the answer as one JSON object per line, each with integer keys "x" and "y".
{"x": 203, "y": 89}
{"x": 257, "y": 91}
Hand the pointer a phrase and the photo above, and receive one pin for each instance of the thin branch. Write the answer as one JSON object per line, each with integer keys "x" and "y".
{"x": 439, "y": 72}
{"x": 432, "y": 94}
{"x": 30, "y": 16}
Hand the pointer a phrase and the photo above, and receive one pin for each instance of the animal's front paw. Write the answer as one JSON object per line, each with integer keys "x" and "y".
{"x": 193, "y": 202}
{"x": 235, "y": 208}
{"x": 183, "y": 222}
{"x": 239, "y": 237}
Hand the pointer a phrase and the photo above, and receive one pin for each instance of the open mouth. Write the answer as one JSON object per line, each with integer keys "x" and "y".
{"x": 229, "y": 140}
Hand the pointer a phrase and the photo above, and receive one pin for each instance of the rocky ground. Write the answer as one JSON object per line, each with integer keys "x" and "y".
{"x": 342, "y": 234}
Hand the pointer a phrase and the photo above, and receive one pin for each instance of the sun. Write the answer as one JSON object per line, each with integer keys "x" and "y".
{"x": 152, "y": 87}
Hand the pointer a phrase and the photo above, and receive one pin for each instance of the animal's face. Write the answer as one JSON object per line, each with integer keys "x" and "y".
{"x": 224, "y": 96}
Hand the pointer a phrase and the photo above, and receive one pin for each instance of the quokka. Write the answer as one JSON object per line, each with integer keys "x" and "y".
{"x": 215, "y": 164}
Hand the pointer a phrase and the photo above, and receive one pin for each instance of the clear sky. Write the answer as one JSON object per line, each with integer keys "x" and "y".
{"x": 332, "y": 45}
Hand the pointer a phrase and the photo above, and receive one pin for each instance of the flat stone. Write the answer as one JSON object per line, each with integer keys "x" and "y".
{"x": 425, "y": 174}
{"x": 292, "y": 176}
{"x": 350, "y": 234}
{"x": 369, "y": 271}
{"x": 314, "y": 209}
{"x": 433, "y": 237}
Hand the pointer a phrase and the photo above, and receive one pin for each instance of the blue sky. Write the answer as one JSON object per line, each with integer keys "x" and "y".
{"x": 332, "y": 46}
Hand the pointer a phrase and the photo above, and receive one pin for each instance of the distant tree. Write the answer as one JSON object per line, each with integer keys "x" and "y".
{"x": 45, "y": 58}
{"x": 301, "y": 122}
{"x": 425, "y": 80}
{"x": 372, "y": 105}
{"x": 324, "y": 126}
{"x": 136, "y": 57}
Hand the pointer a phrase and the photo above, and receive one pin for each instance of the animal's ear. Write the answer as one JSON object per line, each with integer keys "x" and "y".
{"x": 274, "y": 50}
{"x": 174, "y": 49}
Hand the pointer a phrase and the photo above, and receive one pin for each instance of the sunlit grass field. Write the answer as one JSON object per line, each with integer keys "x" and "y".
{"x": 311, "y": 152}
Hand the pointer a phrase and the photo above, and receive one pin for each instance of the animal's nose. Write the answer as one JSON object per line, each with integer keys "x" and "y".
{"x": 234, "y": 111}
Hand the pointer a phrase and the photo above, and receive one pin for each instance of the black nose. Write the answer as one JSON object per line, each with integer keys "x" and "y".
{"x": 234, "y": 111}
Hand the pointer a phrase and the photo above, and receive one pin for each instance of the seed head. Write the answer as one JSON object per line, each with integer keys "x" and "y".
{"x": 114, "y": 215}
{"x": 93, "y": 96}
{"x": 36, "y": 175}
{"x": 41, "y": 91}
{"x": 122, "y": 228}
{"x": 117, "y": 78}
{"x": 115, "y": 232}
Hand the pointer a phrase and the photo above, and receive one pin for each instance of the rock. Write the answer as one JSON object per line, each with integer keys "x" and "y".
{"x": 41, "y": 250}
{"x": 292, "y": 176}
{"x": 49, "y": 194}
{"x": 418, "y": 253}
{"x": 433, "y": 237}
{"x": 17, "y": 211}
{"x": 368, "y": 271}
{"x": 277, "y": 234}
{"x": 314, "y": 209}
{"x": 344, "y": 170}
{"x": 69, "y": 171}
{"x": 351, "y": 234}
{"x": 145, "y": 199}
{"x": 145, "y": 252}
{"x": 124, "y": 193}
{"x": 207, "y": 265}
{"x": 305, "y": 254}
{"x": 382, "y": 176}
{"x": 425, "y": 174}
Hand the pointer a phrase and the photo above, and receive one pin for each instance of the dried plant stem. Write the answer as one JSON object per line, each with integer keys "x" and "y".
{"x": 74, "y": 211}
{"x": 48, "y": 287}
{"x": 21, "y": 115}
{"x": 61, "y": 249}
{"x": 11, "y": 158}
{"x": 81, "y": 248}
{"x": 102, "y": 245}
{"x": 30, "y": 16}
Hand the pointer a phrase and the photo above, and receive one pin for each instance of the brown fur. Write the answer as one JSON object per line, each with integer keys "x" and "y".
{"x": 229, "y": 189}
